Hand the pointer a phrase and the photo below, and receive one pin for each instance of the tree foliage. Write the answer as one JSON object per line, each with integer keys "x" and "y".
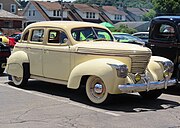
{"x": 123, "y": 28}
{"x": 149, "y": 15}
{"x": 128, "y": 3}
{"x": 167, "y": 7}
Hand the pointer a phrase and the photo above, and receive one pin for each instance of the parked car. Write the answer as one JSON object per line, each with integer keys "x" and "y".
{"x": 14, "y": 38}
{"x": 72, "y": 53}
{"x": 164, "y": 39}
{"x": 142, "y": 35}
{"x": 4, "y": 39}
{"x": 127, "y": 38}
{"x": 4, "y": 54}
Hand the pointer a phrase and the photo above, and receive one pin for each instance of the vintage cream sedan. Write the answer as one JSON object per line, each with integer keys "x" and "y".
{"x": 85, "y": 54}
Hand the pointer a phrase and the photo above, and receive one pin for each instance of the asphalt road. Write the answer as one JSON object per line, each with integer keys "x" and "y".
{"x": 47, "y": 105}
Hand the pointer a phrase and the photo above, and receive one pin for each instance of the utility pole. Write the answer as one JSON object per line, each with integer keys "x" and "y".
{"x": 61, "y": 3}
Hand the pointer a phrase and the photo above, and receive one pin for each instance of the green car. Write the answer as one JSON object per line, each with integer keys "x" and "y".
{"x": 127, "y": 38}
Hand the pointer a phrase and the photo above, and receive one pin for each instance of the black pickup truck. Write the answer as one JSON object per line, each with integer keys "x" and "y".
{"x": 4, "y": 54}
{"x": 164, "y": 39}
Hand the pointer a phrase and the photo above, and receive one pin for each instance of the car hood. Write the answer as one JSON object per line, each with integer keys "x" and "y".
{"x": 111, "y": 48}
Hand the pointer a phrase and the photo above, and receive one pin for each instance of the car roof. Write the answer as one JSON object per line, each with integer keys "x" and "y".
{"x": 65, "y": 24}
{"x": 140, "y": 33}
{"x": 120, "y": 33}
{"x": 170, "y": 18}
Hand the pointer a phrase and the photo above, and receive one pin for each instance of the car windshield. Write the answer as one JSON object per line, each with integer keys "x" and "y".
{"x": 90, "y": 33}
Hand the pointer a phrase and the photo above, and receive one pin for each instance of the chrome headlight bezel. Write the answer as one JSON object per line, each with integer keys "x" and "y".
{"x": 168, "y": 66}
{"x": 122, "y": 70}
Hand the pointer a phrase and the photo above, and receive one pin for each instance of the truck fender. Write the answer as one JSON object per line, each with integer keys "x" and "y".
{"x": 15, "y": 63}
{"x": 96, "y": 67}
{"x": 155, "y": 69}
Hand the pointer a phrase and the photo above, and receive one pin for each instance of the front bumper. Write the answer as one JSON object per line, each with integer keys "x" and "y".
{"x": 129, "y": 88}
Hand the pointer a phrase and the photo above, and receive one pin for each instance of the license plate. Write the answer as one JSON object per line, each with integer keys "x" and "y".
{"x": 3, "y": 65}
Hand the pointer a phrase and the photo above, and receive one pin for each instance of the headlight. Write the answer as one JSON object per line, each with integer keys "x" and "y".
{"x": 122, "y": 70}
{"x": 168, "y": 67}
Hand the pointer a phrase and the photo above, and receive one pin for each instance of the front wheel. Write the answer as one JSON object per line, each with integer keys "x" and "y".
{"x": 96, "y": 90}
{"x": 151, "y": 95}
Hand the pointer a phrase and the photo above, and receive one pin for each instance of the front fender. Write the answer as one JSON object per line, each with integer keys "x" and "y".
{"x": 15, "y": 63}
{"x": 96, "y": 67}
{"x": 155, "y": 69}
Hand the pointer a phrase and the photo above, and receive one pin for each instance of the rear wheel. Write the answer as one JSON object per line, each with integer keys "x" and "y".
{"x": 22, "y": 81}
{"x": 151, "y": 95}
{"x": 96, "y": 90}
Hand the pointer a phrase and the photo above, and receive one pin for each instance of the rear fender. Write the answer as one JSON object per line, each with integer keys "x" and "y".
{"x": 15, "y": 63}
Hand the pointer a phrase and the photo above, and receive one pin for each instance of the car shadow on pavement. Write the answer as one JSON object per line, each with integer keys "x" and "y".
{"x": 173, "y": 90}
{"x": 122, "y": 102}
{"x": 2, "y": 74}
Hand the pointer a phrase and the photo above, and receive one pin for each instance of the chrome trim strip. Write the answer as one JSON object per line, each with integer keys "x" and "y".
{"x": 129, "y": 88}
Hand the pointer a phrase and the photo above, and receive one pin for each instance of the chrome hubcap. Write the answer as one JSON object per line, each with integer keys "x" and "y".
{"x": 98, "y": 88}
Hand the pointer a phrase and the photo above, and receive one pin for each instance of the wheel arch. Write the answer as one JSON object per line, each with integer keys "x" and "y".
{"x": 15, "y": 63}
{"x": 95, "y": 67}
{"x": 156, "y": 69}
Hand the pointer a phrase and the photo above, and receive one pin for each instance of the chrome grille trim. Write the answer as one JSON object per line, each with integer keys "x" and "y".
{"x": 139, "y": 62}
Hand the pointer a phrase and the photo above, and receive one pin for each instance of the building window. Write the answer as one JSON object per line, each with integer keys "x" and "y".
{"x": 90, "y": 15}
{"x": 87, "y": 14}
{"x": 34, "y": 12}
{"x": 94, "y": 15}
{"x": 29, "y": 12}
{"x": 1, "y": 6}
{"x": 118, "y": 17}
{"x": 8, "y": 24}
{"x": 13, "y": 8}
{"x": 56, "y": 13}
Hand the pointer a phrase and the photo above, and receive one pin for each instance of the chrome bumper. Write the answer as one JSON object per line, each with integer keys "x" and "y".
{"x": 129, "y": 88}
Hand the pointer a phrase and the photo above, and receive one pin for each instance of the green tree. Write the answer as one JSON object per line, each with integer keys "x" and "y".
{"x": 124, "y": 29}
{"x": 149, "y": 15}
{"x": 167, "y": 7}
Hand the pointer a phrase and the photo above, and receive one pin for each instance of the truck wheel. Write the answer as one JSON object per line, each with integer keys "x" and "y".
{"x": 22, "y": 81}
{"x": 96, "y": 90}
{"x": 151, "y": 95}
{"x": 1, "y": 70}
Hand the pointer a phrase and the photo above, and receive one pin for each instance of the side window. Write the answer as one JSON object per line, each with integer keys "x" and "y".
{"x": 37, "y": 35}
{"x": 164, "y": 32}
{"x": 25, "y": 36}
{"x": 53, "y": 36}
{"x": 58, "y": 37}
{"x": 166, "y": 29}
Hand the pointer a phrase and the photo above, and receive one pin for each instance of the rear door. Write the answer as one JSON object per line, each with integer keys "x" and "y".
{"x": 56, "y": 56}
{"x": 35, "y": 50}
